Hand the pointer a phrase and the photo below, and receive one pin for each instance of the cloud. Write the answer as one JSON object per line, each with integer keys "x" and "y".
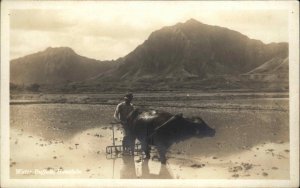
{"x": 109, "y": 30}
{"x": 97, "y": 47}
{"x": 38, "y": 20}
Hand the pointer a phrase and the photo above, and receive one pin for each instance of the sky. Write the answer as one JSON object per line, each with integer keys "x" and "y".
{"x": 109, "y": 30}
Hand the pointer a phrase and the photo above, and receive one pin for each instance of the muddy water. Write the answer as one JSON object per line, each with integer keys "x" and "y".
{"x": 72, "y": 138}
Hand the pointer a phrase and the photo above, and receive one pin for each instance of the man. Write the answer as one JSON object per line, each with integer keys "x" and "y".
{"x": 122, "y": 111}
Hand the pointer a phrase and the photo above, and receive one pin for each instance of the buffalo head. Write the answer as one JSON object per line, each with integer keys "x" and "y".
{"x": 200, "y": 128}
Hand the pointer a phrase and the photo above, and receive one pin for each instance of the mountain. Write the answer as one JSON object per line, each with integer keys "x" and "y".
{"x": 189, "y": 55}
{"x": 193, "y": 50}
{"x": 55, "y": 66}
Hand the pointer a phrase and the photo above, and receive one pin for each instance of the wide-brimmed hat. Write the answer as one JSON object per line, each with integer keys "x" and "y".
{"x": 128, "y": 96}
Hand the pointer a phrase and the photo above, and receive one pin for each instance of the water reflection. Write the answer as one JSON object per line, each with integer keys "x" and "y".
{"x": 132, "y": 171}
{"x": 128, "y": 169}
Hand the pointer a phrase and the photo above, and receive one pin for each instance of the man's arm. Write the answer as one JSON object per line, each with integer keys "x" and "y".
{"x": 117, "y": 112}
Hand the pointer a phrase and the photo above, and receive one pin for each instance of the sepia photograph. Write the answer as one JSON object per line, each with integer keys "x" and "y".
{"x": 149, "y": 93}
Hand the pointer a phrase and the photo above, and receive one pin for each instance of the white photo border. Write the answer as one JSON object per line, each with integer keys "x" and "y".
{"x": 293, "y": 12}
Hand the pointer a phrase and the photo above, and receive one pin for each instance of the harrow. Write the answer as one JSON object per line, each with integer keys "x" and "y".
{"x": 117, "y": 151}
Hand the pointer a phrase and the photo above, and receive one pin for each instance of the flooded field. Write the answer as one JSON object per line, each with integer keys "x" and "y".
{"x": 64, "y": 136}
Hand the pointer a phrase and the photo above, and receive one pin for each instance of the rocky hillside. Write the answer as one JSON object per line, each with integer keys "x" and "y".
{"x": 277, "y": 65}
{"x": 195, "y": 50}
{"x": 55, "y": 66}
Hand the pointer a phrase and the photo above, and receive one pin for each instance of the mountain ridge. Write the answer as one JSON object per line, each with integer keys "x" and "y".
{"x": 59, "y": 65}
{"x": 179, "y": 45}
{"x": 185, "y": 53}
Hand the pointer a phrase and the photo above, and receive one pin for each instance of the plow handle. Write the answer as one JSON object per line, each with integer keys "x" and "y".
{"x": 113, "y": 131}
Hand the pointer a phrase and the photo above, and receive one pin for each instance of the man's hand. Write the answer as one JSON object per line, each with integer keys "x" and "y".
{"x": 116, "y": 121}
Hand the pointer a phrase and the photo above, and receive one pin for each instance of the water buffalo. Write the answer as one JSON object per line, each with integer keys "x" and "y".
{"x": 162, "y": 129}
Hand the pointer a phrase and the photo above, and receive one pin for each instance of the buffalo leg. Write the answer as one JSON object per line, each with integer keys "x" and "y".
{"x": 128, "y": 144}
{"x": 125, "y": 143}
{"x": 162, "y": 154}
{"x": 146, "y": 148}
{"x": 132, "y": 145}
{"x": 147, "y": 152}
